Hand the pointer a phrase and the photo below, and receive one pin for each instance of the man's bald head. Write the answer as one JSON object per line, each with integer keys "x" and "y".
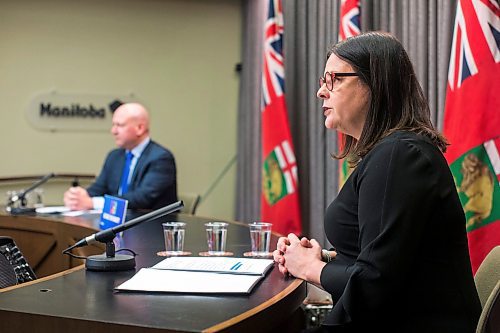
{"x": 130, "y": 125}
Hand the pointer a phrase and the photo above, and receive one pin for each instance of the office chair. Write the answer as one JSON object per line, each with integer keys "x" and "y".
{"x": 487, "y": 281}
{"x": 489, "y": 321}
{"x": 488, "y": 274}
{"x": 14, "y": 268}
{"x": 191, "y": 201}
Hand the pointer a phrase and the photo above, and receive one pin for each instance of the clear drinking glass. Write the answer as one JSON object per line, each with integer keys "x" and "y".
{"x": 260, "y": 236}
{"x": 174, "y": 233}
{"x": 216, "y": 237}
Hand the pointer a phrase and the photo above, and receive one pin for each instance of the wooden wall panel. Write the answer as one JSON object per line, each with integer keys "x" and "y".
{"x": 42, "y": 241}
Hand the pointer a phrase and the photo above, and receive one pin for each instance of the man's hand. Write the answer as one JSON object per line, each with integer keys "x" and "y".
{"x": 77, "y": 198}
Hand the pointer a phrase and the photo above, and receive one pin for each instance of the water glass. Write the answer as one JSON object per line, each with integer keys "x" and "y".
{"x": 260, "y": 236}
{"x": 216, "y": 237}
{"x": 174, "y": 233}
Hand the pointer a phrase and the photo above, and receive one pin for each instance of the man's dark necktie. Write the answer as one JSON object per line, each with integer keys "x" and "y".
{"x": 125, "y": 173}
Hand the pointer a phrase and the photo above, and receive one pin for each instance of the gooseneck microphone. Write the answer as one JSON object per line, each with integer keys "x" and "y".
{"x": 108, "y": 261}
{"x": 22, "y": 209}
{"x": 107, "y": 235}
{"x": 22, "y": 195}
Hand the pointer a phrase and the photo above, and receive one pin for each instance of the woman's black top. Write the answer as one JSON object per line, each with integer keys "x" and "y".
{"x": 399, "y": 229}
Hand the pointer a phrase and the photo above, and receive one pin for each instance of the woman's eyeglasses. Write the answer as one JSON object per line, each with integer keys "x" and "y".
{"x": 330, "y": 77}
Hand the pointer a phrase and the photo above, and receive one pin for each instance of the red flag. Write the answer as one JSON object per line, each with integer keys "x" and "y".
{"x": 472, "y": 121}
{"x": 280, "y": 196}
{"x": 349, "y": 19}
{"x": 350, "y": 25}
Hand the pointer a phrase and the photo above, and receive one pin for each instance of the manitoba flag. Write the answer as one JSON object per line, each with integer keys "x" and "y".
{"x": 349, "y": 26}
{"x": 472, "y": 121}
{"x": 280, "y": 196}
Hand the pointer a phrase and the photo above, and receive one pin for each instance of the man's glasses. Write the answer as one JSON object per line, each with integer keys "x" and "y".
{"x": 329, "y": 78}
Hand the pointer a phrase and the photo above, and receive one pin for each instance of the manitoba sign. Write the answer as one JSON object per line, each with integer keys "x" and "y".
{"x": 56, "y": 111}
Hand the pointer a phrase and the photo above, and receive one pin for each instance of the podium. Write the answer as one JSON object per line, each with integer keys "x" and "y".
{"x": 77, "y": 300}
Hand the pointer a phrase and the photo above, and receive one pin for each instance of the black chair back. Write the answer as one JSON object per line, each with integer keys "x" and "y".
{"x": 14, "y": 268}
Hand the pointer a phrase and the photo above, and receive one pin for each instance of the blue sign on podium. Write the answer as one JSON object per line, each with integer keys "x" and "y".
{"x": 113, "y": 212}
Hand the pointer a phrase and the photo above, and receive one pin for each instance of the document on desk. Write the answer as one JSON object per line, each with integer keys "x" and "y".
{"x": 217, "y": 265}
{"x": 199, "y": 275}
{"x": 63, "y": 210}
{"x": 52, "y": 210}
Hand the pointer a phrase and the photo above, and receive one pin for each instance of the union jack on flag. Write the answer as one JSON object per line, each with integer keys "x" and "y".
{"x": 349, "y": 19}
{"x": 462, "y": 59}
{"x": 490, "y": 25}
{"x": 273, "y": 78}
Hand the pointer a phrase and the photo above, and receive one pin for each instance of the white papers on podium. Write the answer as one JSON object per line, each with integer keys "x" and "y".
{"x": 217, "y": 265}
{"x": 52, "y": 210}
{"x": 149, "y": 279}
{"x": 63, "y": 210}
{"x": 200, "y": 275}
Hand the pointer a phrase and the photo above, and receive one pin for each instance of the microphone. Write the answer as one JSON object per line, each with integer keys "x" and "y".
{"x": 119, "y": 262}
{"x": 107, "y": 235}
{"x": 22, "y": 195}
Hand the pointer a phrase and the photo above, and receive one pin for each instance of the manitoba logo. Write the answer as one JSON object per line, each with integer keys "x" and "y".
{"x": 75, "y": 110}
{"x": 477, "y": 177}
{"x": 279, "y": 173}
{"x": 114, "y": 207}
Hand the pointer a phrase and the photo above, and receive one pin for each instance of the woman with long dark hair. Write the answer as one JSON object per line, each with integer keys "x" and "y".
{"x": 401, "y": 261}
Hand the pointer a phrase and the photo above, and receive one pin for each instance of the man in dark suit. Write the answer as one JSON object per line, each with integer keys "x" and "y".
{"x": 140, "y": 170}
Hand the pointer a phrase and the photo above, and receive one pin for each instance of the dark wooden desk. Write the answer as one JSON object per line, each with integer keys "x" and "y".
{"x": 83, "y": 301}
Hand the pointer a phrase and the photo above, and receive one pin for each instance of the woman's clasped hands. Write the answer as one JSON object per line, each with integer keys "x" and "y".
{"x": 299, "y": 257}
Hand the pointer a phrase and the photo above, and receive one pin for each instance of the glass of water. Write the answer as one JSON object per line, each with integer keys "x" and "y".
{"x": 174, "y": 233}
{"x": 260, "y": 236}
{"x": 216, "y": 237}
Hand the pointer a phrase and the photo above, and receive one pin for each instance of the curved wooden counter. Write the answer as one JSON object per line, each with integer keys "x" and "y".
{"x": 83, "y": 301}
{"x": 42, "y": 239}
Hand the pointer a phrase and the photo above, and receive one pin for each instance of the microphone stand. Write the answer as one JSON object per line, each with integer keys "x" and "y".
{"x": 110, "y": 261}
{"x": 21, "y": 197}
